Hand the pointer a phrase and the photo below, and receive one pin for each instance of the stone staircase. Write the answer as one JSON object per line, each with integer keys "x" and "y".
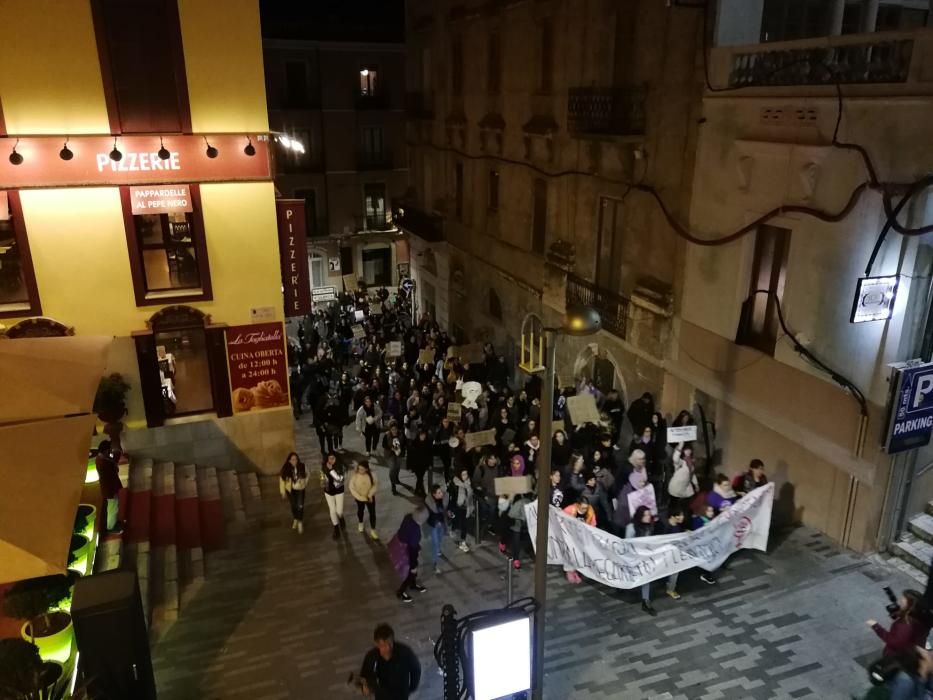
{"x": 176, "y": 515}
{"x": 913, "y": 552}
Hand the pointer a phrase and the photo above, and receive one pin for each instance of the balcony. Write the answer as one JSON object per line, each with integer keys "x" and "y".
{"x": 613, "y": 307}
{"x": 898, "y": 59}
{"x": 419, "y": 105}
{"x": 418, "y": 222}
{"x": 375, "y": 222}
{"x": 374, "y": 160}
{"x": 378, "y": 100}
{"x": 606, "y": 112}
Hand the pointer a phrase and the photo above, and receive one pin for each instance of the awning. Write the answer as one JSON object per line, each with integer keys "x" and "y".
{"x": 42, "y": 470}
{"x": 50, "y": 377}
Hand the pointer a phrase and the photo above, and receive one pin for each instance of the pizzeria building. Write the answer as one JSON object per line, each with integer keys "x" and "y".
{"x": 136, "y": 201}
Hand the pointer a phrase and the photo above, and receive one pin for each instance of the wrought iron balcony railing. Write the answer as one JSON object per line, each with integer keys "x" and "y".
{"x": 595, "y": 111}
{"x": 418, "y": 222}
{"x": 613, "y": 307}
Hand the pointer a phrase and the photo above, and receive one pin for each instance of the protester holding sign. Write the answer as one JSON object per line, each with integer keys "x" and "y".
{"x": 683, "y": 485}
{"x": 367, "y": 424}
{"x": 461, "y": 505}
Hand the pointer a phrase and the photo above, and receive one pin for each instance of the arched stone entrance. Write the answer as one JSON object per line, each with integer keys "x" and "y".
{"x": 601, "y": 366}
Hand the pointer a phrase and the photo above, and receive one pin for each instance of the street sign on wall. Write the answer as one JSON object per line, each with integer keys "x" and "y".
{"x": 910, "y": 407}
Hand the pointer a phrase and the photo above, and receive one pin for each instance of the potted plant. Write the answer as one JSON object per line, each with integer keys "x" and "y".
{"x": 23, "y": 673}
{"x": 79, "y": 553}
{"x": 84, "y": 520}
{"x": 110, "y": 405}
{"x": 36, "y": 600}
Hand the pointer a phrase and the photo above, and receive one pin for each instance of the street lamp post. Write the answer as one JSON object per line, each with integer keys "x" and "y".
{"x": 578, "y": 321}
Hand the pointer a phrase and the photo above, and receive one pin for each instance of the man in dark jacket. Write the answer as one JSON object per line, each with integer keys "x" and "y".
{"x": 420, "y": 459}
{"x": 639, "y": 413}
{"x": 409, "y": 533}
{"x": 391, "y": 670}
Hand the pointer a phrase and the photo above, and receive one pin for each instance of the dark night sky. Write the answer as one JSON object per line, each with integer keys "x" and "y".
{"x": 334, "y": 20}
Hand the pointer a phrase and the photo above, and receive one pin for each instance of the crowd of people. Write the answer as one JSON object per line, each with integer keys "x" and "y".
{"x": 362, "y": 364}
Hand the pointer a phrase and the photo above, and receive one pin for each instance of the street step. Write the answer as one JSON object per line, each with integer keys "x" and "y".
{"x": 916, "y": 553}
{"x": 232, "y": 501}
{"x": 188, "y": 530}
{"x": 210, "y": 508}
{"x": 922, "y": 526}
{"x": 139, "y": 502}
{"x": 162, "y": 527}
{"x": 252, "y": 496}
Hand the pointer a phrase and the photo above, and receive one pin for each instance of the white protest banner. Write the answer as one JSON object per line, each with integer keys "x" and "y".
{"x": 583, "y": 409}
{"x": 630, "y": 563}
{"x": 643, "y": 497}
{"x": 682, "y": 433}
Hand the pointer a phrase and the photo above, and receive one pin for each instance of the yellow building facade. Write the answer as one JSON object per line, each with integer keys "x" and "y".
{"x": 75, "y": 73}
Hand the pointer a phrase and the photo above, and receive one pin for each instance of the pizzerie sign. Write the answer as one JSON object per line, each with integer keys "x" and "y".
{"x": 139, "y": 162}
{"x": 293, "y": 255}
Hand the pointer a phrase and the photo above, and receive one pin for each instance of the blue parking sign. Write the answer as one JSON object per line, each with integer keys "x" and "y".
{"x": 910, "y": 408}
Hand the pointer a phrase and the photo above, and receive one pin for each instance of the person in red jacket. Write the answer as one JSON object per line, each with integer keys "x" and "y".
{"x": 581, "y": 510}
{"x": 909, "y": 628}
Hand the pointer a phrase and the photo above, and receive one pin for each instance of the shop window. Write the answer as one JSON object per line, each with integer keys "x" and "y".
{"x": 493, "y": 190}
{"x": 317, "y": 266}
{"x": 377, "y": 266}
{"x": 19, "y": 295}
{"x": 758, "y": 324}
{"x": 539, "y": 214}
{"x": 157, "y": 103}
{"x": 168, "y": 253}
{"x": 369, "y": 81}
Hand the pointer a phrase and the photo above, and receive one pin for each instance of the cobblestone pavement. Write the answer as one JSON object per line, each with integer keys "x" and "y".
{"x": 285, "y": 616}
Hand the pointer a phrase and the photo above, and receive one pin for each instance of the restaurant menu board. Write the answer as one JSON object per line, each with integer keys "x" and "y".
{"x": 258, "y": 366}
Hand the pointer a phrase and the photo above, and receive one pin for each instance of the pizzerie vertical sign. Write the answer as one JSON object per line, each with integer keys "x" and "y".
{"x": 294, "y": 256}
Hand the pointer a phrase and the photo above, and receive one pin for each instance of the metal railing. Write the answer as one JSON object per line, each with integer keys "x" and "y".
{"x": 418, "y": 222}
{"x": 864, "y": 62}
{"x": 593, "y": 111}
{"x": 614, "y": 308}
{"x": 375, "y": 223}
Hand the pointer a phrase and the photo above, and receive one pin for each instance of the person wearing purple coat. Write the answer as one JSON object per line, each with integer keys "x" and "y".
{"x": 409, "y": 533}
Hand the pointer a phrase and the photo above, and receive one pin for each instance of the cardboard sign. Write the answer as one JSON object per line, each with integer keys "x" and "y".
{"x": 164, "y": 199}
{"x": 468, "y": 354}
{"x": 426, "y": 357}
{"x": 322, "y": 294}
{"x": 293, "y": 254}
{"x": 350, "y": 283}
{"x": 484, "y": 437}
{"x": 454, "y": 411}
{"x": 513, "y": 485}
{"x": 557, "y": 425}
{"x": 358, "y": 331}
{"x": 643, "y": 497}
{"x": 583, "y": 409}
{"x": 375, "y": 309}
{"x": 683, "y": 433}
{"x": 394, "y": 349}
{"x": 258, "y": 366}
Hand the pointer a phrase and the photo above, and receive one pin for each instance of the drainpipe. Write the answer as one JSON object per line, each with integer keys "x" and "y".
{"x": 869, "y": 16}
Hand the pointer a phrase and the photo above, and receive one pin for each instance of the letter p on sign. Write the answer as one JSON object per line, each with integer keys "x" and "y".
{"x": 924, "y": 387}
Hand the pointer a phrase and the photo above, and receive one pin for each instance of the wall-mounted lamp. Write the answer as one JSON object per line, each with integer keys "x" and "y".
{"x": 15, "y": 157}
{"x": 211, "y": 151}
{"x": 163, "y": 151}
{"x": 249, "y": 149}
{"x": 364, "y": 72}
{"x": 66, "y": 153}
{"x": 115, "y": 154}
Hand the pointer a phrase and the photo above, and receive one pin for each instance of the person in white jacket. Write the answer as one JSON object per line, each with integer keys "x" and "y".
{"x": 293, "y": 480}
{"x": 367, "y": 424}
{"x": 683, "y": 485}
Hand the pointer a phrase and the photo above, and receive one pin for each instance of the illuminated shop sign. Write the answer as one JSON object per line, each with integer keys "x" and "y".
{"x": 874, "y": 299}
{"x": 165, "y": 199}
{"x": 59, "y": 161}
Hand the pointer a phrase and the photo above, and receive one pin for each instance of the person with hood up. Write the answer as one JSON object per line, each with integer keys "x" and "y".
{"x": 519, "y": 527}
{"x": 461, "y": 505}
{"x": 639, "y": 413}
{"x": 409, "y": 533}
{"x": 683, "y": 485}
{"x": 516, "y": 466}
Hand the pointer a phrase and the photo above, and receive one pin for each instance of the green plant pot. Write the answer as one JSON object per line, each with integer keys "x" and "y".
{"x": 53, "y": 681}
{"x": 85, "y": 520}
{"x": 55, "y": 643}
{"x": 79, "y": 552}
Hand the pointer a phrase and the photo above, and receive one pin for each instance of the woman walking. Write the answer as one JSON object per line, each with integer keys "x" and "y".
{"x": 363, "y": 489}
{"x": 409, "y": 534}
{"x": 332, "y": 479}
{"x": 437, "y": 503}
{"x": 461, "y": 504}
{"x": 293, "y": 480}
{"x": 367, "y": 424}
{"x": 642, "y": 525}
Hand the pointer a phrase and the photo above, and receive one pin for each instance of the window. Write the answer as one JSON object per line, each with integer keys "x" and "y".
{"x": 495, "y": 305}
{"x": 168, "y": 254}
{"x": 18, "y": 293}
{"x": 758, "y": 325}
{"x": 539, "y": 216}
{"x": 374, "y": 201}
{"x": 494, "y": 65}
{"x": 312, "y": 225}
{"x": 346, "y": 260}
{"x": 493, "y": 201}
{"x": 368, "y": 81}
{"x": 547, "y": 56}
{"x": 377, "y": 266}
{"x": 610, "y": 267}
{"x": 458, "y": 190}
{"x": 296, "y": 84}
{"x": 456, "y": 66}
{"x": 158, "y": 102}
{"x": 371, "y": 146}
{"x": 297, "y": 161}
{"x": 783, "y": 20}
{"x": 317, "y": 266}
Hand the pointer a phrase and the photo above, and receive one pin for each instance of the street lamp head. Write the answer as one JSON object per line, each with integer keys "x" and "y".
{"x": 581, "y": 320}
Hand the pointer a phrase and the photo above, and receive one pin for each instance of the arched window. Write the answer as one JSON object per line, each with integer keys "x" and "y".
{"x": 495, "y": 305}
